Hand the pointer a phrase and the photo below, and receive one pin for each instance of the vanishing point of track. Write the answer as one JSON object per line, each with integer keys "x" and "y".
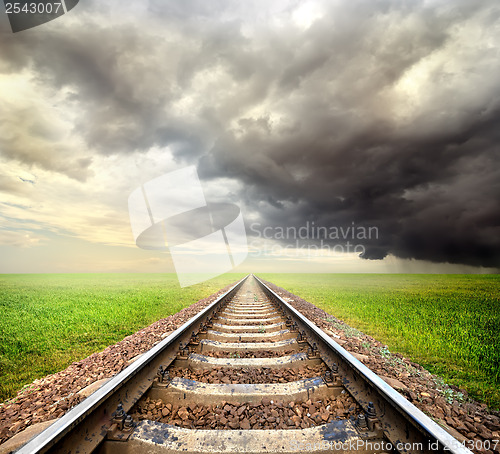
{"x": 248, "y": 374}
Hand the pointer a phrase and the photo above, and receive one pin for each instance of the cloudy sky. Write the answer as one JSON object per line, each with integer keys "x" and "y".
{"x": 375, "y": 114}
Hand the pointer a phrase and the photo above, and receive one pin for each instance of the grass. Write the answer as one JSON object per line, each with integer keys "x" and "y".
{"x": 49, "y": 321}
{"x": 448, "y": 323}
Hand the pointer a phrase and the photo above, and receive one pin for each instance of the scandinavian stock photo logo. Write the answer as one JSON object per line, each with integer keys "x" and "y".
{"x": 170, "y": 213}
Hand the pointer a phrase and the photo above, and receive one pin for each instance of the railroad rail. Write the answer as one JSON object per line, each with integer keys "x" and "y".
{"x": 248, "y": 374}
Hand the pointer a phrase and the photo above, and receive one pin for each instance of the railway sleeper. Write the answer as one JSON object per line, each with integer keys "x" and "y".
{"x": 158, "y": 438}
{"x": 250, "y": 337}
{"x": 184, "y": 391}
{"x": 207, "y": 345}
{"x": 248, "y": 321}
{"x": 268, "y": 328}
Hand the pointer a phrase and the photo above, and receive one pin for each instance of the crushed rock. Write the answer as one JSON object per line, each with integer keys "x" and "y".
{"x": 248, "y": 375}
{"x": 234, "y": 416}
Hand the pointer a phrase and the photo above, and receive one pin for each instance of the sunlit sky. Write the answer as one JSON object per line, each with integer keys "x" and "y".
{"x": 374, "y": 113}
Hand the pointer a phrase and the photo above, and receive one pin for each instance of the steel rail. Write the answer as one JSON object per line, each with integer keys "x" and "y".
{"x": 51, "y": 436}
{"x": 438, "y": 440}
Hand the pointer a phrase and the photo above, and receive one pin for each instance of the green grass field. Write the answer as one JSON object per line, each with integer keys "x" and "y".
{"x": 49, "y": 321}
{"x": 448, "y": 323}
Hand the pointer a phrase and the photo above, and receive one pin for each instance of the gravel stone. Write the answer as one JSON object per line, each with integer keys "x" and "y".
{"x": 266, "y": 415}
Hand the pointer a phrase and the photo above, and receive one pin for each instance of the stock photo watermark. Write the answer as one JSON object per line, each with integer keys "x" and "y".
{"x": 170, "y": 213}
{"x": 356, "y": 445}
{"x": 24, "y": 15}
{"x": 310, "y": 239}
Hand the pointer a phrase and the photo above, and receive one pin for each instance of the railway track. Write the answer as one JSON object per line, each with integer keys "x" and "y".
{"x": 248, "y": 374}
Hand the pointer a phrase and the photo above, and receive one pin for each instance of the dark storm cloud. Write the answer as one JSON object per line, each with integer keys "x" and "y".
{"x": 119, "y": 81}
{"x": 315, "y": 121}
{"x": 431, "y": 188}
